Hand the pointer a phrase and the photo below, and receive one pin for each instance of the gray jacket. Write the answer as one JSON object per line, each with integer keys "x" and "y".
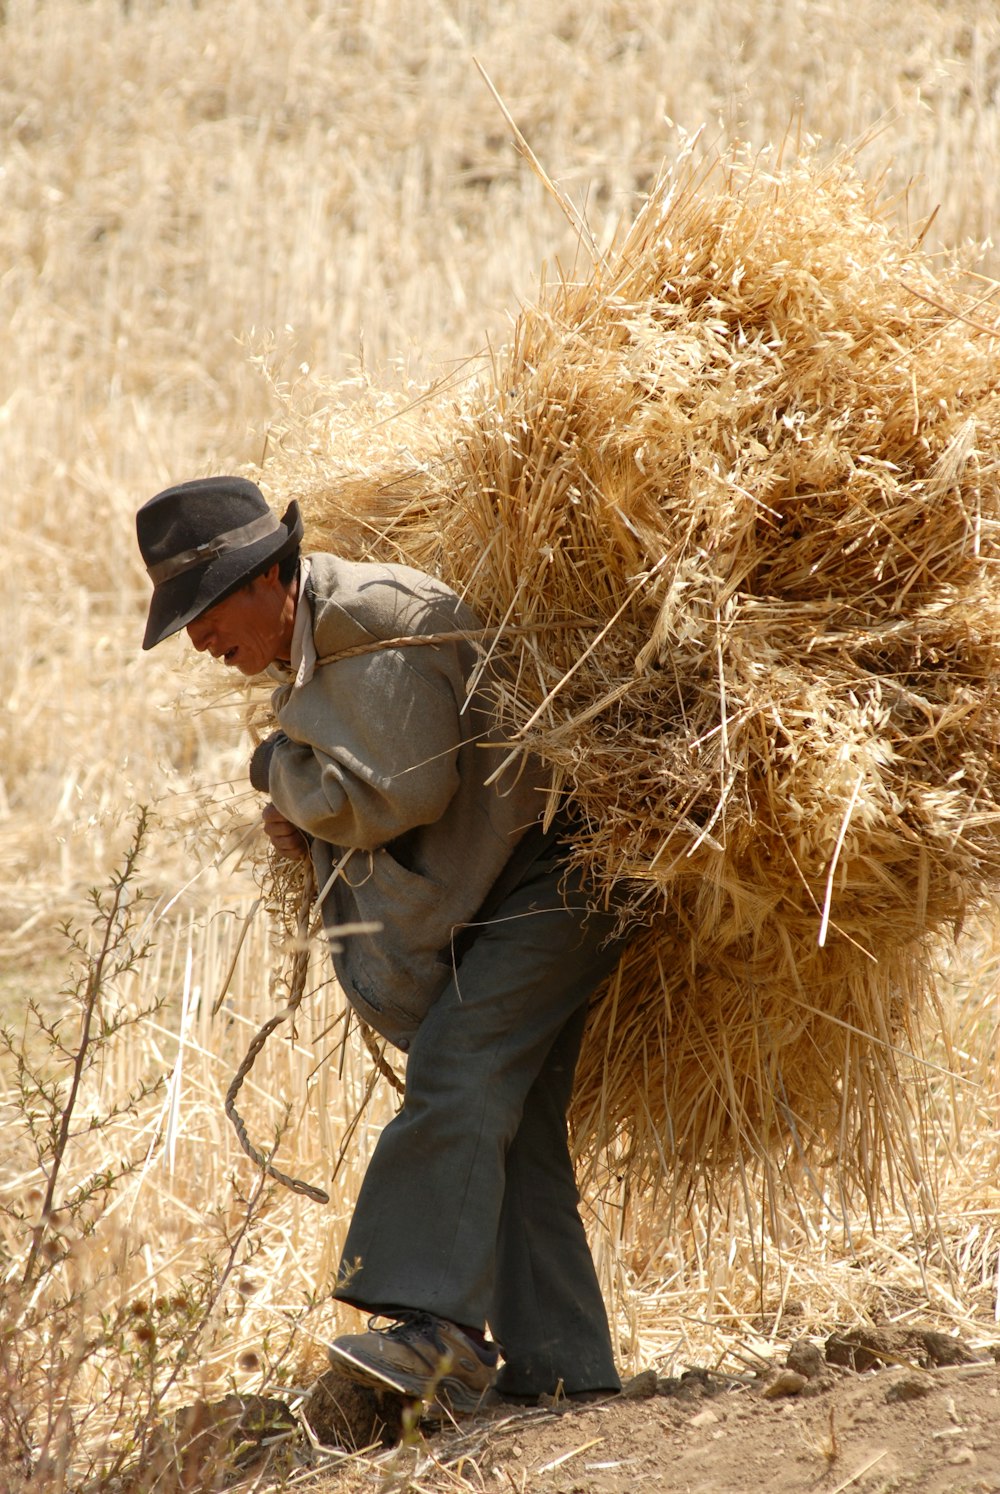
{"x": 385, "y": 760}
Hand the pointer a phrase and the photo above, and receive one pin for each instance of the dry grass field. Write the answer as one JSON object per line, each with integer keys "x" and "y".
{"x": 209, "y": 207}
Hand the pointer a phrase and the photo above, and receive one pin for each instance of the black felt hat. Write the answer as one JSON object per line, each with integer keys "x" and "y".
{"x": 203, "y": 540}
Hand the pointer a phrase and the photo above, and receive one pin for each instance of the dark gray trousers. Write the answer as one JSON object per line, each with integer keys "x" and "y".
{"x": 469, "y": 1207}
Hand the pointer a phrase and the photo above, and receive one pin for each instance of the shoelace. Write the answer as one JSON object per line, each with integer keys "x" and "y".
{"x": 412, "y": 1325}
{"x": 418, "y": 1328}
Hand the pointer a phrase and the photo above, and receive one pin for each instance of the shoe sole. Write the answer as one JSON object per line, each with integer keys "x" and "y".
{"x": 450, "y": 1394}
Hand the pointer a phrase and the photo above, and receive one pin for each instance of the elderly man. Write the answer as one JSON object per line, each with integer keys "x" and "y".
{"x": 385, "y": 771}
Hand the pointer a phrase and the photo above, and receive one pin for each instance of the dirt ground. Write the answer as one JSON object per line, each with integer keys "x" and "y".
{"x": 895, "y": 1428}
{"x": 890, "y": 1429}
{"x": 875, "y": 1411}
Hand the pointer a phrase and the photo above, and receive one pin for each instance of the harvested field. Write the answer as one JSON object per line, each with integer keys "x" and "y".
{"x": 211, "y": 214}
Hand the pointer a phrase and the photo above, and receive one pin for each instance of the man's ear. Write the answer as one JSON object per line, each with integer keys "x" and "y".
{"x": 268, "y": 578}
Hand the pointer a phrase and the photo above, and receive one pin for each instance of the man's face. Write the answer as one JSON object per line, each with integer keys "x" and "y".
{"x": 249, "y": 629}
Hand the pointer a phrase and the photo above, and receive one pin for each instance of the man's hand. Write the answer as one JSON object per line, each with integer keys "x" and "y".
{"x": 286, "y": 838}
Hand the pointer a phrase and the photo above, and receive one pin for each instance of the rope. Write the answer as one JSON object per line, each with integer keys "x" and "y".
{"x": 461, "y": 635}
{"x": 378, "y": 1058}
{"x": 300, "y": 965}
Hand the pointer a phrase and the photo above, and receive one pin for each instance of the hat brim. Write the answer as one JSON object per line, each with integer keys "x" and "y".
{"x": 177, "y": 602}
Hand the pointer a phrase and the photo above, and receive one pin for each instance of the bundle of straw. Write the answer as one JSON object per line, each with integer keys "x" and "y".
{"x": 732, "y": 502}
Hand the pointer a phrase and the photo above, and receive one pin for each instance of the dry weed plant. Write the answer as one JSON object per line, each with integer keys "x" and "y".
{"x": 130, "y": 1256}
{"x": 90, "y": 1362}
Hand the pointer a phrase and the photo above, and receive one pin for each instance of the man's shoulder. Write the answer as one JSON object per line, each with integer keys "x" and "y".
{"x": 377, "y": 599}
{"x": 333, "y": 576}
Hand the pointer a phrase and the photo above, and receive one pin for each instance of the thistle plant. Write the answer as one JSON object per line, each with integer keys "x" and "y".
{"x": 87, "y": 1369}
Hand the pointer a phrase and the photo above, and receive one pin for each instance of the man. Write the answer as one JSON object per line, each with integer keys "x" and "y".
{"x": 388, "y": 770}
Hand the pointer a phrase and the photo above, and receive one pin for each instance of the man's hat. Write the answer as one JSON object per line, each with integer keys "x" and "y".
{"x": 203, "y": 540}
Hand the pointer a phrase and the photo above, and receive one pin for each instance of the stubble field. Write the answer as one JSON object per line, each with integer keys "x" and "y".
{"x": 207, "y": 209}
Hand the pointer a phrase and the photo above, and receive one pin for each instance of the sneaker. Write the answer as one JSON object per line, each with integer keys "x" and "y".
{"x": 421, "y": 1356}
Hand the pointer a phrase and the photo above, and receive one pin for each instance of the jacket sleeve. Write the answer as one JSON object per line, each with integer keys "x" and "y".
{"x": 371, "y": 752}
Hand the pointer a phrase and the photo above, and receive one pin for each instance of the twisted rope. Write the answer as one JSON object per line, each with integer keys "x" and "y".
{"x": 460, "y": 635}
{"x": 300, "y": 965}
{"x": 377, "y": 1055}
